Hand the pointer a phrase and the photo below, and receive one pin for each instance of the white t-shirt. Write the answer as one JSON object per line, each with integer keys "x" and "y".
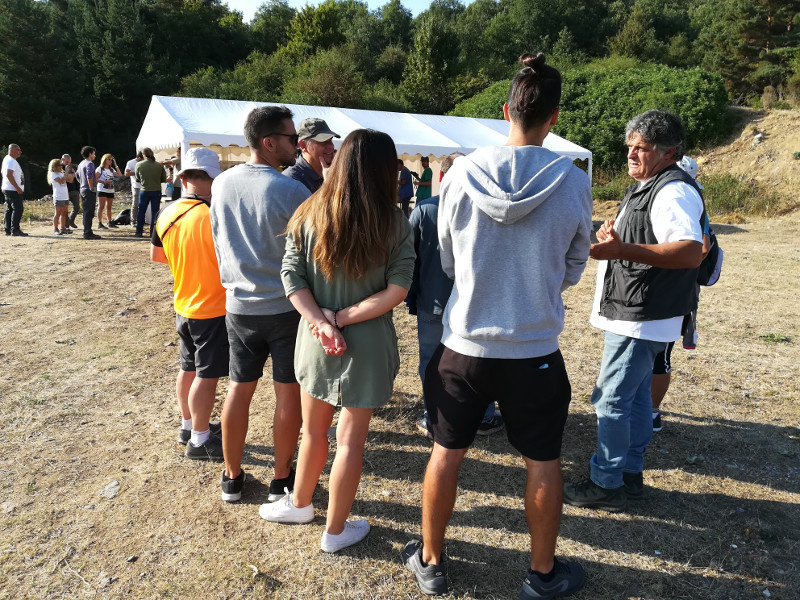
{"x": 105, "y": 175}
{"x": 131, "y": 166}
{"x": 60, "y": 191}
{"x": 11, "y": 164}
{"x": 675, "y": 214}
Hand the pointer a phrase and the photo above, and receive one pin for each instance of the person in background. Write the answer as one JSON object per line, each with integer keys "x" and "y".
{"x": 405, "y": 187}
{"x": 106, "y": 172}
{"x": 13, "y": 188}
{"x": 428, "y": 296}
{"x": 130, "y": 171}
{"x": 73, "y": 189}
{"x": 317, "y": 152}
{"x": 424, "y": 181}
{"x": 349, "y": 261}
{"x": 88, "y": 180}
{"x": 150, "y": 176}
{"x": 182, "y": 239}
{"x": 58, "y": 179}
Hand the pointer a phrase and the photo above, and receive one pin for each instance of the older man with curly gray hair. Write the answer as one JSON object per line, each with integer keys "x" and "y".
{"x": 646, "y": 282}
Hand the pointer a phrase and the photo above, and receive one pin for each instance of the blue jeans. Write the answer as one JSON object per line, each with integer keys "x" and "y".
{"x": 153, "y": 199}
{"x": 429, "y": 335}
{"x": 621, "y": 399}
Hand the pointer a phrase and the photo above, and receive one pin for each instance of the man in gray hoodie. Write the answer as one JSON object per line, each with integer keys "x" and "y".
{"x": 514, "y": 226}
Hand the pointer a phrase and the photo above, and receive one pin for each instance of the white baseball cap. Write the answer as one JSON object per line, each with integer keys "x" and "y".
{"x": 201, "y": 159}
{"x": 689, "y": 165}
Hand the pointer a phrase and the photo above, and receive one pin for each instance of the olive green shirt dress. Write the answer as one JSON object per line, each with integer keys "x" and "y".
{"x": 364, "y": 375}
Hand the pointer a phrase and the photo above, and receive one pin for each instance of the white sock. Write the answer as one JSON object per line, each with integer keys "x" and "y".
{"x": 186, "y": 423}
{"x": 200, "y": 437}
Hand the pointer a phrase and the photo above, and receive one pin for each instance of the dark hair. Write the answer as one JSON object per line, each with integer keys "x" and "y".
{"x": 353, "y": 216}
{"x": 148, "y": 153}
{"x": 87, "y": 150}
{"x": 661, "y": 128}
{"x": 262, "y": 121}
{"x": 139, "y": 154}
{"x": 400, "y": 162}
{"x": 425, "y": 158}
{"x": 195, "y": 174}
{"x": 535, "y": 92}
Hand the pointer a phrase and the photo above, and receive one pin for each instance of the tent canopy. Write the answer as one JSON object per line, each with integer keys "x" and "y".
{"x": 173, "y": 122}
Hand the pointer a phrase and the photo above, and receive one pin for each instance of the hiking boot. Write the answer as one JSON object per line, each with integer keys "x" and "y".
{"x": 232, "y": 488}
{"x": 424, "y": 426}
{"x": 431, "y": 579}
{"x": 92, "y": 236}
{"x": 284, "y": 511}
{"x": 19, "y": 233}
{"x": 211, "y": 449}
{"x": 657, "y": 422}
{"x": 278, "y": 487}
{"x": 587, "y": 494}
{"x": 184, "y": 435}
{"x": 353, "y": 532}
{"x": 568, "y": 578}
{"x": 634, "y": 485}
{"x": 491, "y": 425}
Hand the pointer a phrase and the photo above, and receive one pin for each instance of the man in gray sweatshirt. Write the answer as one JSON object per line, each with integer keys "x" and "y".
{"x": 514, "y": 226}
{"x": 252, "y": 205}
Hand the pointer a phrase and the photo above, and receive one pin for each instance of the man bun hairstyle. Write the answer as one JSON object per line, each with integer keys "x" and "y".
{"x": 661, "y": 128}
{"x": 535, "y": 92}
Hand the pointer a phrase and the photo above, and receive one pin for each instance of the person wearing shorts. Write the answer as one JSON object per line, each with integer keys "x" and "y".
{"x": 514, "y": 224}
{"x": 253, "y": 203}
{"x": 182, "y": 239}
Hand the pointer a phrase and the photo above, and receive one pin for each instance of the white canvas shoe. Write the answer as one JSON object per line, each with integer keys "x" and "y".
{"x": 284, "y": 511}
{"x": 353, "y": 532}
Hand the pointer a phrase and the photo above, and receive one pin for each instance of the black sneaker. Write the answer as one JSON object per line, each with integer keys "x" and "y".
{"x": 568, "y": 578}
{"x": 277, "y": 487}
{"x": 18, "y": 233}
{"x": 211, "y": 449}
{"x": 657, "y": 422}
{"x": 431, "y": 579}
{"x": 232, "y": 488}
{"x": 587, "y": 494}
{"x": 491, "y": 425}
{"x": 101, "y": 226}
{"x": 634, "y": 485}
{"x": 92, "y": 236}
{"x": 184, "y": 435}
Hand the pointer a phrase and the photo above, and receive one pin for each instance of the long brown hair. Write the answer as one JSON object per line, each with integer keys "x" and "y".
{"x": 354, "y": 213}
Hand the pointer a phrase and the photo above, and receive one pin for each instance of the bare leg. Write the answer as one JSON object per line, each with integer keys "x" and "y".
{"x": 286, "y": 426}
{"x": 108, "y": 210}
{"x": 317, "y": 417}
{"x": 201, "y": 401}
{"x": 102, "y": 202}
{"x": 235, "y": 418}
{"x": 438, "y": 498}
{"x": 182, "y": 387}
{"x": 351, "y": 435}
{"x": 659, "y": 387}
{"x": 543, "y": 510}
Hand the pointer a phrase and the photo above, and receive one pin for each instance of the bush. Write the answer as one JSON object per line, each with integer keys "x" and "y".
{"x": 725, "y": 194}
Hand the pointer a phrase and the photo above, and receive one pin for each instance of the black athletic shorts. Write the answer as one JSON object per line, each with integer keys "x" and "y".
{"x": 662, "y": 363}
{"x": 253, "y": 338}
{"x": 204, "y": 346}
{"x": 533, "y": 394}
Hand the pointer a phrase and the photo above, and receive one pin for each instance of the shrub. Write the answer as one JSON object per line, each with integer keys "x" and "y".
{"x": 725, "y": 194}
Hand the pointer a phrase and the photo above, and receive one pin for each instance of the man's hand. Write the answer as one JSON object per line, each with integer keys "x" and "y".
{"x": 602, "y": 233}
{"x": 609, "y": 247}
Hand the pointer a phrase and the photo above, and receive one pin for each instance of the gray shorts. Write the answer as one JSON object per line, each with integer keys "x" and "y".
{"x": 204, "y": 346}
{"x": 60, "y": 202}
{"x": 253, "y": 338}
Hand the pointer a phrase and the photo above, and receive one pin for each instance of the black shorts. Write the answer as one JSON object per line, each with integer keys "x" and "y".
{"x": 204, "y": 346}
{"x": 533, "y": 394}
{"x": 662, "y": 364}
{"x": 105, "y": 195}
{"x": 253, "y": 338}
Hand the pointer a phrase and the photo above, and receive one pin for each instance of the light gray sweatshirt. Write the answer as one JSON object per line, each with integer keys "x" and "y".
{"x": 250, "y": 208}
{"x": 514, "y": 225}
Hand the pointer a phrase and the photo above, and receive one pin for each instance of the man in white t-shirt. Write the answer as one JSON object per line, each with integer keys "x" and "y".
{"x": 13, "y": 187}
{"x": 646, "y": 283}
{"x": 130, "y": 171}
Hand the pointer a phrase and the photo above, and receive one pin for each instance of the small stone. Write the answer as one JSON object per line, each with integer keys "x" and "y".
{"x": 111, "y": 490}
{"x": 169, "y": 344}
{"x": 132, "y": 558}
{"x": 8, "y": 507}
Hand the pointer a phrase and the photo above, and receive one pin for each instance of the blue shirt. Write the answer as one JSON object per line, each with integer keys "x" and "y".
{"x": 405, "y": 190}
{"x": 305, "y": 174}
{"x": 430, "y": 287}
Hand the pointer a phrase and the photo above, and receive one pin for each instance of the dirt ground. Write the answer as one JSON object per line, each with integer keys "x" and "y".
{"x": 89, "y": 359}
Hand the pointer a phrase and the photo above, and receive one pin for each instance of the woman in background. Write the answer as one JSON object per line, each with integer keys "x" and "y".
{"x": 58, "y": 179}
{"x": 349, "y": 261}
{"x": 106, "y": 172}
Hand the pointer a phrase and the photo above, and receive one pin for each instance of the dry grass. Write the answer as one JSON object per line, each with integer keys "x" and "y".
{"x": 87, "y": 398}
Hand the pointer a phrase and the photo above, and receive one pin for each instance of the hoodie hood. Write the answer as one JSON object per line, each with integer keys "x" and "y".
{"x": 508, "y": 182}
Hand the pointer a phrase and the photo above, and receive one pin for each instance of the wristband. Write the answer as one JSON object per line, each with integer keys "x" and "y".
{"x": 335, "y": 322}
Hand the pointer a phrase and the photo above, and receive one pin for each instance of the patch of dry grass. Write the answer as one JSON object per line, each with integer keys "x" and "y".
{"x": 87, "y": 398}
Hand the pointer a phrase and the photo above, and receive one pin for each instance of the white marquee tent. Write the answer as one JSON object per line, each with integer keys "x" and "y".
{"x": 173, "y": 122}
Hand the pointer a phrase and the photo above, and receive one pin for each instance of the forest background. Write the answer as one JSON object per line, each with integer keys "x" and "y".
{"x": 77, "y": 72}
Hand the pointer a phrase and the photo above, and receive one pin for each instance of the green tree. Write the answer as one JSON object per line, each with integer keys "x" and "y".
{"x": 329, "y": 78}
{"x": 431, "y": 64}
{"x": 395, "y": 22}
{"x": 314, "y": 29}
{"x": 270, "y": 25}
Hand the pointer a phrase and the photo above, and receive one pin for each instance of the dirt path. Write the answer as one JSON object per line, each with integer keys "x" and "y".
{"x": 89, "y": 358}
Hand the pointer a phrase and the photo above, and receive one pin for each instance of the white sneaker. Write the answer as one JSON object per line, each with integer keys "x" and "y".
{"x": 284, "y": 511}
{"x": 353, "y": 532}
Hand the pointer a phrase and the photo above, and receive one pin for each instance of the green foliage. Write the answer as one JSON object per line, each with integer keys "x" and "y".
{"x": 270, "y": 25}
{"x": 610, "y": 187}
{"x": 313, "y": 29}
{"x": 724, "y": 194}
{"x": 329, "y": 78}
{"x": 486, "y": 105}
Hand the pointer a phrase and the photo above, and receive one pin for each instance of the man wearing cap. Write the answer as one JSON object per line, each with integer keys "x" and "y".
{"x": 316, "y": 143}
{"x": 182, "y": 239}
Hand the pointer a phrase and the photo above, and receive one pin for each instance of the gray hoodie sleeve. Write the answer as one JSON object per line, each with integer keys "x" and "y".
{"x": 445, "y": 241}
{"x": 578, "y": 253}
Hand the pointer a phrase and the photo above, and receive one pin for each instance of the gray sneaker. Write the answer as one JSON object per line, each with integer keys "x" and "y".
{"x": 431, "y": 579}
{"x": 568, "y": 578}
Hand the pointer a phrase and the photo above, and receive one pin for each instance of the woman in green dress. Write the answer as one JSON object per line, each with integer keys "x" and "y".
{"x": 349, "y": 261}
